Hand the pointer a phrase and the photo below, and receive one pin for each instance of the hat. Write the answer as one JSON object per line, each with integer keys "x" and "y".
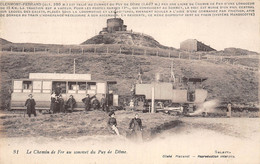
{"x": 111, "y": 113}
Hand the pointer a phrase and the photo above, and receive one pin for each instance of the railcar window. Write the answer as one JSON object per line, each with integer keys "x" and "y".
{"x": 82, "y": 85}
{"x": 91, "y": 87}
{"x": 72, "y": 86}
{"x": 59, "y": 84}
{"x": 27, "y": 86}
{"x": 18, "y": 86}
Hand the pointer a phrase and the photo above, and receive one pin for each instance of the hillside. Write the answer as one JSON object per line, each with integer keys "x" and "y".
{"x": 225, "y": 82}
{"x": 125, "y": 38}
{"x": 3, "y": 41}
{"x": 238, "y": 52}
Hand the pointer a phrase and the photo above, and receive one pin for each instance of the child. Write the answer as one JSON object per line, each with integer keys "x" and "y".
{"x": 132, "y": 105}
{"x": 112, "y": 122}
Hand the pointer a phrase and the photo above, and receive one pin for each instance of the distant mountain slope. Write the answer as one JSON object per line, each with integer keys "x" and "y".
{"x": 126, "y": 38}
{"x": 3, "y": 41}
{"x": 238, "y": 51}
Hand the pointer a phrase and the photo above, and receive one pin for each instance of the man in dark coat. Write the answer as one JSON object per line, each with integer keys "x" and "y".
{"x": 53, "y": 99}
{"x": 104, "y": 103}
{"x": 30, "y": 104}
{"x": 87, "y": 102}
{"x": 61, "y": 104}
{"x": 57, "y": 90}
{"x": 136, "y": 127}
{"x": 95, "y": 104}
{"x": 71, "y": 103}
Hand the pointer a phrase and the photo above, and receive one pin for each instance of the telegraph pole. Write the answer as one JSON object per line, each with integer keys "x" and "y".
{"x": 74, "y": 67}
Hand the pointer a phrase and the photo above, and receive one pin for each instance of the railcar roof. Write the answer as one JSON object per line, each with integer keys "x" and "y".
{"x": 70, "y": 80}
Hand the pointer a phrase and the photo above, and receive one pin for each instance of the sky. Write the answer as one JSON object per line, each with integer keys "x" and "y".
{"x": 218, "y": 32}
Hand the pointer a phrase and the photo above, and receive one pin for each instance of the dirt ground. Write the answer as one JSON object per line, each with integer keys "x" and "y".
{"x": 167, "y": 139}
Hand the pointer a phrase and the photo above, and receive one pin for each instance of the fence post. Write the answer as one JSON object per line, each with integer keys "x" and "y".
{"x": 169, "y": 55}
{"x": 199, "y": 56}
{"x": 34, "y": 50}
{"x": 23, "y": 49}
{"x": 82, "y": 50}
{"x": 58, "y": 50}
{"x": 45, "y": 49}
{"x": 179, "y": 55}
{"x": 11, "y": 49}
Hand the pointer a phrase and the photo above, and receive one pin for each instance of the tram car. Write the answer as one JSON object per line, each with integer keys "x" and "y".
{"x": 41, "y": 86}
{"x": 183, "y": 94}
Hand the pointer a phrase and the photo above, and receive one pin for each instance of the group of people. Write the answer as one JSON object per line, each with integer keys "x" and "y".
{"x": 58, "y": 105}
{"x": 135, "y": 126}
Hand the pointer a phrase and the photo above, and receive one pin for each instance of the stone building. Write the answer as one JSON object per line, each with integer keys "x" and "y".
{"x": 194, "y": 45}
{"x": 113, "y": 25}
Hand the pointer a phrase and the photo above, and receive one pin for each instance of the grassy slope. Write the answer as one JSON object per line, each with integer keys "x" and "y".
{"x": 78, "y": 124}
{"x": 225, "y": 82}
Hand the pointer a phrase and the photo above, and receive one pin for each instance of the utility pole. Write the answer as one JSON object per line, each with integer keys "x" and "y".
{"x": 74, "y": 67}
{"x": 153, "y": 107}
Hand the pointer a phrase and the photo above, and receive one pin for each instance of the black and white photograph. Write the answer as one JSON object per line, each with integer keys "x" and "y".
{"x": 129, "y": 82}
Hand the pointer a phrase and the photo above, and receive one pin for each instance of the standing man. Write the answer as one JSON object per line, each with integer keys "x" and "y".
{"x": 95, "y": 104}
{"x": 136, "y": 127}
{"x": 70, "y": 103}
{"x": 58, "y": 90}
{"x": 61, "y": 104}
{"x": 104, "y": 103}
{"x": 87, "y": 102}
{"x": 53, "y": 99}
{"x": 229, "y": 106}
{"x": 30, "y": 104}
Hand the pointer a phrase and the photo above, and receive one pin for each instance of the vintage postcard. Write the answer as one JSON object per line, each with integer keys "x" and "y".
{"x": 129, "y": 81}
